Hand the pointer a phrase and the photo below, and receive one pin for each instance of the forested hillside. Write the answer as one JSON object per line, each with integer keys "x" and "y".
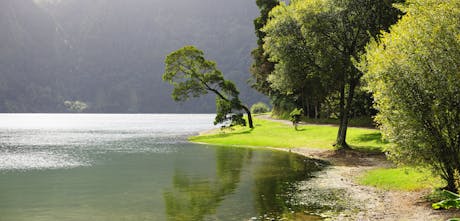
{"x": 110, "y": 53}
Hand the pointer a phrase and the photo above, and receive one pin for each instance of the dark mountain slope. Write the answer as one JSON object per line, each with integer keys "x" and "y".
{"x": 109, "y": 53}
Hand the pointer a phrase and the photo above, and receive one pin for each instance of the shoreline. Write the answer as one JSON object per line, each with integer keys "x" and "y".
{"x": 367, "y": 202}
{"x": 362, "y": 202}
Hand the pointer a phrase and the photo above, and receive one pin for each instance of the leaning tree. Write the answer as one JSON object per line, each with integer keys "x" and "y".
{"x": 193, "y": 76}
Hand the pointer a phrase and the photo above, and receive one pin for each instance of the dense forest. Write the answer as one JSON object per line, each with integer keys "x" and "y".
{"x": 109, "y": 54}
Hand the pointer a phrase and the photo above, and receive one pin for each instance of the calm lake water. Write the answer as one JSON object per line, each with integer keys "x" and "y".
{"x": 139, "y": 167}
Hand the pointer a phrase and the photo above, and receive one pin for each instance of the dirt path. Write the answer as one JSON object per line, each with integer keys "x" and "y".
{"x": 364, "y": 202}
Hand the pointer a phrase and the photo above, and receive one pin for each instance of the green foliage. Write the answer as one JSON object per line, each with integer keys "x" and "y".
{"x": 261, "y": 66}
{"x": 224, "y": 113}
{"x": 190, "y": 73}
{"x": 193, "y": 76}
{"x": 282, "y": 105}
{"x": 436, "y": 195}
{"x": 452, "y": 201}
{"x": 313, "y": 45}
{"x": 457, "y": 180}
{"x": 295, "y": 116}
{"x": 404, "y": 178}
{"x": 274, "y": 134}
{"x": 294, "y": 73}
{"x": 413, "y": 72}
{"x": 75, "y": 106}
{"x": 259, "y": 108}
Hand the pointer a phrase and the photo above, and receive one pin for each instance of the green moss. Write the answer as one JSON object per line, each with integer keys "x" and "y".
{"x": 276, "y": 134}
{"x": 404, "y": 178}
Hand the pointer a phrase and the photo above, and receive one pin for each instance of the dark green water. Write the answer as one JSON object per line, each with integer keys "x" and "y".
{"x": 109, "y": 168}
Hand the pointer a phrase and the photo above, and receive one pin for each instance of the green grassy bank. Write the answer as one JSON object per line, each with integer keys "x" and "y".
{"x": 403, "y": 178}
{"x": 275, "y": 134}
{"x": 269, "y": 133}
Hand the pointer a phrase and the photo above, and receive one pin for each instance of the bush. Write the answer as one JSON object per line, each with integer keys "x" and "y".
{"x": 452, "y": 201}
{"x": 295, "y": 116}
{"x": 413, "y": 73}
{"x": 259, "y": 108}
{"x": 76, "y": 106}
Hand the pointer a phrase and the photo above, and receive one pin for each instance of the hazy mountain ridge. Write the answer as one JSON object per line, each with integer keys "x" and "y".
{"x": 110, "y": 53}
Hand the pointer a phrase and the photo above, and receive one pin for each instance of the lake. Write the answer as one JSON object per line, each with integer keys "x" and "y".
{"x": 140, "y": 167}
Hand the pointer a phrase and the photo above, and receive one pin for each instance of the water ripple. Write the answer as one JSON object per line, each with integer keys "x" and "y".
{"x": 38, "y": 160}
{"x": 50, "y": 141}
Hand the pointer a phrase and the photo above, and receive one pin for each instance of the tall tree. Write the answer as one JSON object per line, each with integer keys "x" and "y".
{"x": 193, "y": 76}
{"x": 261, "y": 66}
{"x": 294, "y": 74}
{"x": 414, "y": 73}
{"x": 326, "y": 36}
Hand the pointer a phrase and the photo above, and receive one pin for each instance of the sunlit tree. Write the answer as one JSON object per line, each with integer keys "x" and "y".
{"x": 414, "y": 73}
{"x": 314, "y": 44}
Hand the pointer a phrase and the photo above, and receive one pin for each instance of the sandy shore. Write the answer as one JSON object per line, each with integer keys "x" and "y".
{"x": 364, "y": 202}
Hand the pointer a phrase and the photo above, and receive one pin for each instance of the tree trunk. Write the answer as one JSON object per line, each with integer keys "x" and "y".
{"x": 339, "y": 140}
{"x": 316, "y": 110}
{"x": 345, "y": 109}
{"x": 251, "y": 125}
{"x": 305, "y": 103}
{"x": 341, "y": 143}
{"x": 450, "y": 178}
{"x": 248, "y": 112}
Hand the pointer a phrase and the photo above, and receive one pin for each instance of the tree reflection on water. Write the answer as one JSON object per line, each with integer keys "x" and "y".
{"x": 272, "y": 175}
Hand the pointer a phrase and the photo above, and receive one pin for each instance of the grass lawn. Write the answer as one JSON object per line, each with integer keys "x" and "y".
{"x": 275, "y": 134}
{"x": 404, "y": 178}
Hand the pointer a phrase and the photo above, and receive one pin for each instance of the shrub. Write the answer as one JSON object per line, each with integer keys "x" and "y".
{"x": 413, "y": 73}
{"x": 295, "y": 117}
{"x": 259, "y": 108}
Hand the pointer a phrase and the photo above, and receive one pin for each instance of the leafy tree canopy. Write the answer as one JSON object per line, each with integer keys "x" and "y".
{"x": 313, "y": 44}
{"x": 261, "y": 66}
{"x": 414, "y": 73}
{"x": 193, "y": 76}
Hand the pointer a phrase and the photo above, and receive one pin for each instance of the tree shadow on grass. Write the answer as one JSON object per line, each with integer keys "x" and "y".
{"x": 376, "y": 136}
{"x": 367, "y": 149}
{"x": 224, "y": 134}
